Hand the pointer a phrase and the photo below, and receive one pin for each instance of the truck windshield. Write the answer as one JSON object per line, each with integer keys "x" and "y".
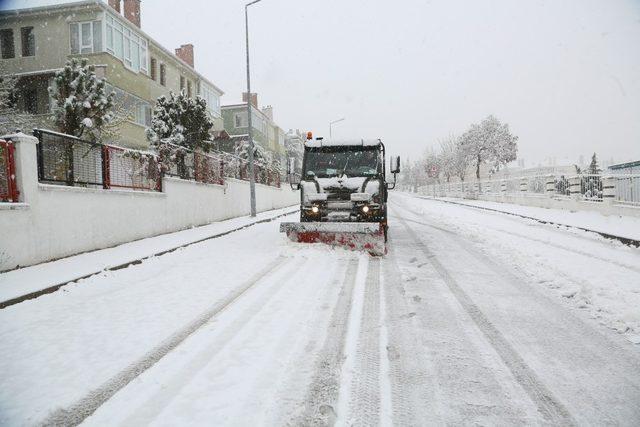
{"x": 351, "y": 161}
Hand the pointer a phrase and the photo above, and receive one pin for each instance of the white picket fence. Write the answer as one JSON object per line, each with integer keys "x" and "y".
{"x": 621, "y": 189}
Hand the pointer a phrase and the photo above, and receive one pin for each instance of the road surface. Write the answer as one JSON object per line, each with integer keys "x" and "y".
{"x": 471, "y": 318}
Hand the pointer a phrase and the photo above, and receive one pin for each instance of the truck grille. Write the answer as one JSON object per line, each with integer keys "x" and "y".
{"x": 338, "y": 194}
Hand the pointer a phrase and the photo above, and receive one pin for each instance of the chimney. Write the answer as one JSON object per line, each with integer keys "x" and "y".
{"x": 185, "y": 52}
{"x": 254, "y": 98}
{"x": 115, "y": 4}
{"x": 132, "y": 11}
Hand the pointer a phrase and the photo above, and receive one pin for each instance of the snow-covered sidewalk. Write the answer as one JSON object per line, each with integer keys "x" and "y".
{"x": 16, "y": 283}
{"x": 621, "y": 226}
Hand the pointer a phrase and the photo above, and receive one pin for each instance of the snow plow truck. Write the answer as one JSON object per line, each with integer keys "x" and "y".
{"x": 343, "y": 194}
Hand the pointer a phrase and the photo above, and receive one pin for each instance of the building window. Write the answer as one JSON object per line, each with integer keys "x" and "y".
{"x": 189, "y": 88}
{"x": 240, "y": 120}
{"x": 139, "y": 109}
{"x": 181, "y": 83}
{"x": 163, "y": 75}
{"x": 6, "y": 44}
{"x": 126, "y": 45}
{"x": 86, "y": 37}
{"x": 211, "y": 97}
{"x": 28, "y": 41}
{"x": 31, "y": 100}
{"x": 153, "y": 69}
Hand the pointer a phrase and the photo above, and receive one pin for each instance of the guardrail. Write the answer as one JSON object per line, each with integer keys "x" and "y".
{"x": 8, "y": 187}
{"x": 623, "y": 189}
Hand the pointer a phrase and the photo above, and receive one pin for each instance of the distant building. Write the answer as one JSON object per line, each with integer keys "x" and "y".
{"x": 36, "y": 42}
{"x": 265, "y": 131}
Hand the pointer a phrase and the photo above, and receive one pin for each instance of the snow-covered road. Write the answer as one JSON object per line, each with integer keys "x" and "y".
{"x": 473, "y": 317}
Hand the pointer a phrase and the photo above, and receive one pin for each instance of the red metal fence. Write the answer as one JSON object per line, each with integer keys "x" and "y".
{"x": 8, "y": 187}
{"x": 67, "y": 160}
{"x": 130, "y": 169}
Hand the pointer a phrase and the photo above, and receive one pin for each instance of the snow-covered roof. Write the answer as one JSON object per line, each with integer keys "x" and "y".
{"x": 317, "y": 143}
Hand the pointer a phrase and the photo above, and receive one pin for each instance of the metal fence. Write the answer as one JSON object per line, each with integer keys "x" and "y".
{"x": 238, "y": 168}
{"x": 8, "y": 187}
{"x": 624, "y": 189}
{"x": 131, "y": 169}
{"x": 201, "y": 167}
{"x": 67, "y": 160}
{"x": 64, "y": 159}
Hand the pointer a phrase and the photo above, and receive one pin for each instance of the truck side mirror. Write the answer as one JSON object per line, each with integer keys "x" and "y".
{"x": 395, "y": 164}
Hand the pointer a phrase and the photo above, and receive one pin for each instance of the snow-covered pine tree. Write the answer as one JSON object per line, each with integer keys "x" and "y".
{"x": 594, "y": 168}
{"x": 181, "y": 120}
{"x": 83, "y": 105}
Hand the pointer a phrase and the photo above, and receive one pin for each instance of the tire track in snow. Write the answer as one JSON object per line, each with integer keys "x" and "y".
{"x": 552, "y": 410}
{"x": 79, "y": 411}
{"x": 148, "y": 412}
{"x": 351, "y": 343}
{"x": 414, "y": 396}
{"x": 533, "y": 239}
{"x": 365, "y": 402}
{"x": 319, "y": 408}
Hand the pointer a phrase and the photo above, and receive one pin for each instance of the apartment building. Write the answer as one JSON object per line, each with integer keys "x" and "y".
{"x": 36, "y": 42}
{"x": 265, "y": 131}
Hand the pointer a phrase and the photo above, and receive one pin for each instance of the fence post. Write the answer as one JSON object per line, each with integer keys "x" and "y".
{"x": 24, "y": 152}
{"x": 221, "y": 171}
{"x": 550, "y": 185}
{"x": 106, "y": 168}
{"x": 608, "y": 189}
{"x": 503, "y": 187}
{"x": 574, "y": 187}
{"x": 523, "y": 185}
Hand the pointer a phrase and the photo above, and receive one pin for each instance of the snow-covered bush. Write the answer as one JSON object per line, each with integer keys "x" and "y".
{"x": 82, "y": 105}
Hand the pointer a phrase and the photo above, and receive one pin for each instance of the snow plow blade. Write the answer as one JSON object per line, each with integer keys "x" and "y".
{"x": 365, "y": 236}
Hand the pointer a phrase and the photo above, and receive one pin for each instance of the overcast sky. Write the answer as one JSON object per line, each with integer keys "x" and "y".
{"x": 565, "y": 74}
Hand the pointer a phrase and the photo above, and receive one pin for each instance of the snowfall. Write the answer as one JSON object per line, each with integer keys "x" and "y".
{"x": 474, "y": 316}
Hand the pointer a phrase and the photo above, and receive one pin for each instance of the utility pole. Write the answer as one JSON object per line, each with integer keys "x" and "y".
{"x": 331, "y": 123}
{"x": 252, "y": 176}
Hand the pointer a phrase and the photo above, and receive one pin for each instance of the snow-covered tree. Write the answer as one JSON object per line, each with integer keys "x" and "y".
{"x": 260, "y": 155}
{"x": 594, "y": 168}
{"x": 83, "y": 106}
{"x": 12, "y": 118}
{"x": 490, "y": 143}
{"x": 182, "y": 121}
{"x": 454, "y": 159}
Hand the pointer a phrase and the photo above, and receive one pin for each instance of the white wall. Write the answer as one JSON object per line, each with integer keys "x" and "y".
{"x": 54, "y": 221}
{"x": 606, "y": 207}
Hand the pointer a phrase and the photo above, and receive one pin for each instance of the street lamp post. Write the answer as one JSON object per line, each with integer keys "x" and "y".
{"x": 252, "y": 177}
{"x": 331, "y": 123}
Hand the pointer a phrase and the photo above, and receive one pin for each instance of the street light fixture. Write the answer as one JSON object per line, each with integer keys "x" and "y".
{"x": 331, "y": 123}
{"x": 252, "y": 177}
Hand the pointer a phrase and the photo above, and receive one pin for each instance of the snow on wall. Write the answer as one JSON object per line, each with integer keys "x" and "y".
{"x": 56, "y": 221}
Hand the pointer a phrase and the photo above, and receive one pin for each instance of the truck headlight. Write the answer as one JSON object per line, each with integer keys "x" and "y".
{"x": 365, "y": 209}
{"x": 314, "y": 209}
